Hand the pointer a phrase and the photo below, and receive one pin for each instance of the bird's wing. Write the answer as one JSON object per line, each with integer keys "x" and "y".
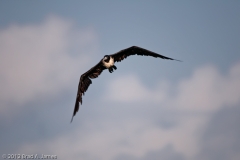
{"x": 85, "y": 82}
{"x": 119, "y": 56}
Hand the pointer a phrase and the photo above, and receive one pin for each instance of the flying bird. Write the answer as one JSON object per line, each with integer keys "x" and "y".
{"x": 108, "y": 63}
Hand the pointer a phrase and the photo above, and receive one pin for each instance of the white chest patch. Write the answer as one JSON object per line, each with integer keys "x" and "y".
{"x": 109, "y": 64}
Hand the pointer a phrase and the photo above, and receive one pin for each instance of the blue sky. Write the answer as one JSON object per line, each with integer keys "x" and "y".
{"x": 149, "y": 108}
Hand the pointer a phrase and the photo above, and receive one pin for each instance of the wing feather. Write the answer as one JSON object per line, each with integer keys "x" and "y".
{"x": 134, "y": 50}
{"x": 95, "y": 71}
{"x": 85, "y": 82}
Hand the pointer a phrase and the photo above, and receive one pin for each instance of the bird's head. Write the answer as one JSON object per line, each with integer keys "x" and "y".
{"x": 106, "y": 58}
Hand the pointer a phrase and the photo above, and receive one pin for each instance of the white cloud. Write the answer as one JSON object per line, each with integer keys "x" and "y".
{"x": 206, "y": 90}
{"x": 42, "y": 59}
{"x": 137, "y": 136}
{"x": 130, "y": 89}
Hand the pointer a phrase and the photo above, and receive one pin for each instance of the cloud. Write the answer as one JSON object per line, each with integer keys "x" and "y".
{"x": 129, "y": 88}
{"x": 207, "y": 89}
{"x": 44, "y": 60}
{"x": 41, "y": 59}
{"x": 220, "y": 140}
{"x": 167, "y": 153}
{"x": 134, "y": 136}
{"x": 109, "y": 140}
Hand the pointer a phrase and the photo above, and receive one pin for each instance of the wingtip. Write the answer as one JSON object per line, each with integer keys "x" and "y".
{"x": 76, "y": 108}
{"x": 74, "y": 113}
{"x": 178, "y": 60}
{"x": 72, "y": 119}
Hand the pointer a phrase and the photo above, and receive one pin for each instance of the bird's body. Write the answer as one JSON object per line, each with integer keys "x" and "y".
{"x": 108, "y": 63}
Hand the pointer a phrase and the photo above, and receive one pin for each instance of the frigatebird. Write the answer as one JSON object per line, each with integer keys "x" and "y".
{"x": 108, "y": 63}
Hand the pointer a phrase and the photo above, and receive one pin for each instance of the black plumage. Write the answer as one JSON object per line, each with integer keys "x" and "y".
{"x": 94, "y": 72}
{"x": 134, "y": 50}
